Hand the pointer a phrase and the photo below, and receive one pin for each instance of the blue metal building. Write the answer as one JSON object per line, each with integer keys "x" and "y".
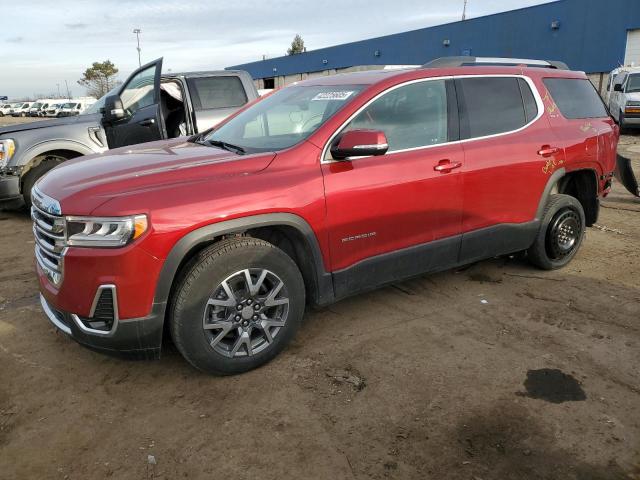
{"x": 589, "y": 35}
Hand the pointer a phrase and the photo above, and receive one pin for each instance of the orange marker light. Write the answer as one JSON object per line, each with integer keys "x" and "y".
{"x": 140, "y": 225}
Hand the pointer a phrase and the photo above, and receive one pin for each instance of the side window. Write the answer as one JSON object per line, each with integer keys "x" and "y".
{"x": 489, "y": 106}
{"x": 139, "y": 92}
{"x": 217, "y": 92}
{"x": 576, "y": 98}
{"x": 530, "y": 105}
{"x": 411, "y": 116}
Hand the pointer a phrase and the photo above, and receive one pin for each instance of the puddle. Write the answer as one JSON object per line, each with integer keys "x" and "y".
{"x": 552, "y": 385}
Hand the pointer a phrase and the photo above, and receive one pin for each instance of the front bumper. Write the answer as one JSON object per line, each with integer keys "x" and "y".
{"x": 9, "y": 187}
{"x": 139, "y": 338}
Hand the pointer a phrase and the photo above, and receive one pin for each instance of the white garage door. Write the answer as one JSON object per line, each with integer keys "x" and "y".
{"x": 632, "y": 56}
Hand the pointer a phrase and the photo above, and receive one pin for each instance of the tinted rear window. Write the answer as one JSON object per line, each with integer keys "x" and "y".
{"x": 489, "y": 106}
{"x": 576, "y": 98}
{"x": 217, "y": 92}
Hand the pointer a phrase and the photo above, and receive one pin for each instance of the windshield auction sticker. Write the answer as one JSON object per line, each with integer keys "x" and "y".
{"x": 332, "y": 96}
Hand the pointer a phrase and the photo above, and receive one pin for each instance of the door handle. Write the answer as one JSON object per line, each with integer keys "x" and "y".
{"x": 147, "y": 123}
{"x": 547, "y": 151}
{"x": 445, "y": 166}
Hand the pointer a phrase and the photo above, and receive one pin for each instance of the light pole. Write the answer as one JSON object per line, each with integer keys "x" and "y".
{"x": 137, "y": 31}
{"x": 58, "y": 89}
{"x": 464, "y": 10}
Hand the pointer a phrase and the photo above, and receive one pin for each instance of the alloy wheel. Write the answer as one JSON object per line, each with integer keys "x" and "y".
{"x": 246, "y": 312}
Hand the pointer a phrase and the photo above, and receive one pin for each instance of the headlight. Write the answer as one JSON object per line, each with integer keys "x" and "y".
{"x": 104, "y": 231}
{"x": 7, "y": 149}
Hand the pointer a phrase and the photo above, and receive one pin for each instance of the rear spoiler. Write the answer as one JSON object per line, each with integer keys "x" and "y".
{"x": 449, "y": 62}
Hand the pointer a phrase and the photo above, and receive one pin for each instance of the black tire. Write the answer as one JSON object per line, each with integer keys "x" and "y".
{"x": 33, "y": 175}
{"x": 623, "y": 128}
{"x": 560, "y": 235}
{"x": 197, "y": 285}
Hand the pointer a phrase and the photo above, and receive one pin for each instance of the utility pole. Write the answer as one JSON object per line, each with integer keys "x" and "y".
{"x": 137, "y": 31}
{"x": 68, "y": 93}
{"x": 464, "y": 10}
{"x": 58, "y": 85}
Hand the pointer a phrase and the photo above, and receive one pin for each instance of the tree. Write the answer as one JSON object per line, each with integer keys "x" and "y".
{"x": 297, "y": 46}
{"x": 99, "y": 78}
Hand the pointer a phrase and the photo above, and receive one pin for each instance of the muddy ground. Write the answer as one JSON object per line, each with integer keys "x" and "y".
{"x": 495, "y": 371}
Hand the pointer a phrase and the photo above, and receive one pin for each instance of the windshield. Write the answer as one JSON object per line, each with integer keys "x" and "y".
{"x": 69, "y": 105}
{"x": 285, "y": 118}
{"x": 633, "y": 85}
{"x": 36, "y": 105}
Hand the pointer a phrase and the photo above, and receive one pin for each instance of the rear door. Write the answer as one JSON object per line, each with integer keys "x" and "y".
{"x": 140, "y": 96}
{"x": 502, "y": 132}
{"x": 214, "y": 98}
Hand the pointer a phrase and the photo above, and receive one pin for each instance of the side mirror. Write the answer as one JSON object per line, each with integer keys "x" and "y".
{"x": 617, "y": 87}
{"x": 360, "y": 143}
{"x": 113, "y": 109}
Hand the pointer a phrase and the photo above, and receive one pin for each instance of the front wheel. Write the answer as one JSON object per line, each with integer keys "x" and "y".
{"x": 560, "y": 235}
{"x": 238, "y": 303}
{"x": 32, "y": 176}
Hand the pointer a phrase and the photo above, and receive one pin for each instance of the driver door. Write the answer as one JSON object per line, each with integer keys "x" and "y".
{"x": 142, "y": 121}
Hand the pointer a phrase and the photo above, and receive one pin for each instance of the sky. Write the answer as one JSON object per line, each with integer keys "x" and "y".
{"x": 45, "y": 42}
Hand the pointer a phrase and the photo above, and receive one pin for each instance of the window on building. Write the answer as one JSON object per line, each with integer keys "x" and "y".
{"x": 489, "y": 106}
{"x": 411, "y": 116}
{"x": 269, "y": 83}
{"x": 576, "y": 98}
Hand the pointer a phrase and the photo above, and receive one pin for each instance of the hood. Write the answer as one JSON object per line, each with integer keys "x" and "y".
{"x": 55, "y": 122}
{"x": 83, "y": 184}
{"x": 634, "y": 97}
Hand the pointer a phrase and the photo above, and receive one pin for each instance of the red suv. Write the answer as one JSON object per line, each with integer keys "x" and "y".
{"x": 324, "y": 189}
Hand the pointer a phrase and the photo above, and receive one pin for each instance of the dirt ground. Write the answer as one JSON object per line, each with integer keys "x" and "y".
{"x": 6, "y": 120}
{"x": 495, "y": 371}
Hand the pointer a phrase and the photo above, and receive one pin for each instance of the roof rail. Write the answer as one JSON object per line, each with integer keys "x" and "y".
{"x": 448, "y": 62}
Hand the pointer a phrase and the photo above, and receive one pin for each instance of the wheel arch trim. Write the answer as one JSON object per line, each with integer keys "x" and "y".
{"x": 27, "y": 158}
{"x": 552, "y": 182}
{"x": 203, "y": 234}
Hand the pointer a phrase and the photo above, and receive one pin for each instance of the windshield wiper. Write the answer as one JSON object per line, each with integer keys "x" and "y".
{"x": 225, "y": 145}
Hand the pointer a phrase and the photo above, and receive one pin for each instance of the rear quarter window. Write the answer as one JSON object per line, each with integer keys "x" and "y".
{"x": 576, "y": 98}
{"x": 216, "y": 92}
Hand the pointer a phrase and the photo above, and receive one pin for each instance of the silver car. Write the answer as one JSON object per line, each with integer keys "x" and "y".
{"x": 148, "y": 106}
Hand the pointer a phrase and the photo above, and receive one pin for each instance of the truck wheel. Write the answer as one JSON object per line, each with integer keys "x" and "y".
{"x": 33, "y": 175}
{"x": 561, "y": 233}
{"x": 237, "y": 304}
{"x": 623, "y": 128}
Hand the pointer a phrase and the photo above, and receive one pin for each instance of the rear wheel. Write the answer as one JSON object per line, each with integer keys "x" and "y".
{"x": 622, "y": 124}
{"x": 32, "y": 176}
{"x": 237, "y": 305}
{"x": 561, "y": 233}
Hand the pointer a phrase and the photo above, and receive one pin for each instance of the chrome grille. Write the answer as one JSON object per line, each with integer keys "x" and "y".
{"x": 48, "y": 231}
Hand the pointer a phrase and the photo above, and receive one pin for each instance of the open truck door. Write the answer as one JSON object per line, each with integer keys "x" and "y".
{"x": 624, "y": 174}
{"x": 133, "y": 115}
